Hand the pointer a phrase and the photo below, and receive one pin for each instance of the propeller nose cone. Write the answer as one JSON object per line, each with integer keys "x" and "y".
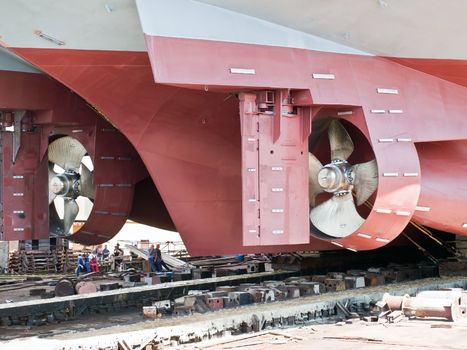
{"x": 327, "y": 178}
{"x": 57, "y": 186}
{"x": 331, "y": 178}
{"x": 65, "y": 185}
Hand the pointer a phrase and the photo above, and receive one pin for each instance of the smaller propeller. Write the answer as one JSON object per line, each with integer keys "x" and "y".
{"x": 338, "y": 216}
{"x": 74, "y": 180}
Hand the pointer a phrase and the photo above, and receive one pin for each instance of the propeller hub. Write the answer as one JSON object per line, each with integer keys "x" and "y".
{"x": 65, "y": 184}
{"x": 333, "y": 177}
{"x": 329, "y": 178}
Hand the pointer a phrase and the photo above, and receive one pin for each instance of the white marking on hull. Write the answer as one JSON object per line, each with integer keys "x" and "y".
{"x": 324, "y": 76}
{"x": 242, "y": 71}
{"x": 387, "y": 91}
{"x": 420, "y": 208}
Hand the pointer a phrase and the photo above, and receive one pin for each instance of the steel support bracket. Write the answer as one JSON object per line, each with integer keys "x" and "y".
{"x": 274, "y": 169}
{"x": 17, "y": 118}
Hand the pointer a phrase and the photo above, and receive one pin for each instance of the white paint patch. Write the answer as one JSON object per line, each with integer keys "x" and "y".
{"x": 410, "y": 174}
{"x": 421, "y": 208}
{"x": 242, "y": 71}
{"x": 324, "y": 76}
{"x": 387, "y": 91}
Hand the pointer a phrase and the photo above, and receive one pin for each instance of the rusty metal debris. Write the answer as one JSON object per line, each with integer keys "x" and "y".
{"x": 445, "y": 304}
{"x": 290, "y": 288}
{"x": 431, "y": 307}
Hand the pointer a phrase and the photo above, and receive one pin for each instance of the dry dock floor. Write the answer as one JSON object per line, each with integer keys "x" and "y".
{"x": 405, "y": 335}
{"x": 103, "y": 331}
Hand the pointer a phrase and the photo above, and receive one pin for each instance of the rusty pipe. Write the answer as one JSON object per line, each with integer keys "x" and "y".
{"x": 431, "y": 307}
{"x": 394, "y": 302}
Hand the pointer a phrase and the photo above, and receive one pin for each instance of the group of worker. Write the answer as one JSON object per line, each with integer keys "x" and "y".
{"x": 90, "y": 262}
{"x": 155, "y": 259}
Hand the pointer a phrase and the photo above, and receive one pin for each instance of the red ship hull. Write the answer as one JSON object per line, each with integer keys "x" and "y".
{"x": 190, "y": 139}
{"x": 207, "y": 123}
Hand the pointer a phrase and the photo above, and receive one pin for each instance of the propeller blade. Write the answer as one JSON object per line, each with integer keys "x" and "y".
{"x": 340, "y": 141}
{"x": 51, "y": 175}
{"x": 67, "y": 152}
{"x": 314, "y": 166}
{"x": 70, "y": 211}
{"x": 55, "y": 223}
{"x": 365, "y": 180}
{"x": 337, "y": 217}
{"x": 87, "y": 188}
